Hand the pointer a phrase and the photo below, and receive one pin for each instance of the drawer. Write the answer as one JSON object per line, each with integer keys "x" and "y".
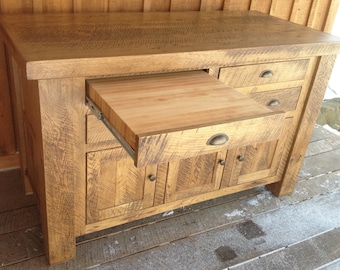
{"x": 165, "y": 117}
{"x": 278, "y": 100}
{"x": 243, "y": 76}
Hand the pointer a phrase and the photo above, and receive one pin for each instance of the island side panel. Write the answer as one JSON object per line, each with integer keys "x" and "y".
{"x": 306, "y": 126}
{"x": 63, "y": 137}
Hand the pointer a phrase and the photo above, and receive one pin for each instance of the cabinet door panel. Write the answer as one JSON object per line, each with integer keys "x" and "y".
{"x": 258, "y": 161}
{"x": 115, "y": 186}
{"x": 194, "y": 176}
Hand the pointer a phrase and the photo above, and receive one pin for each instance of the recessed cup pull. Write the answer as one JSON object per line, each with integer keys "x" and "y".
{"x": 267, "y": 73}
{"x": 273, "y": 102}
{"x": 218, "y": 139}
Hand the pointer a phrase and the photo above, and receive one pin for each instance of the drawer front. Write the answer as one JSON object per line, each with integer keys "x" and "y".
{"x": 193, "y": 142}
{"x": 267, "y": 73}
{"x": 278, "y": 100}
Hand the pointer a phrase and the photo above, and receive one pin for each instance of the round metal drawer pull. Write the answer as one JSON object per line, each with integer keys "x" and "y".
{"x": 267, "y": 74}
{"x": 240, "y": 158}
{"x": 222, "y": 162}
{"x": 152, "y": 177}
{"x": 218, "y": 139}
{"x": 273, "y": 102}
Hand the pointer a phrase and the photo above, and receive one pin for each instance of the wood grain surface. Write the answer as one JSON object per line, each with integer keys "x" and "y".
{"x": 169, "y": 116}
{"x": 320, "y": 16}
{"x": 84, "y": 43}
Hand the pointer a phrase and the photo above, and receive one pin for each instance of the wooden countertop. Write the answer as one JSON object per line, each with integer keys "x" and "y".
{"x": 70, "y": 45}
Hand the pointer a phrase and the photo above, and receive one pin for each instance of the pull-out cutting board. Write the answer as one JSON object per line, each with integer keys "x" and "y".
{"x": 172, "y": 116}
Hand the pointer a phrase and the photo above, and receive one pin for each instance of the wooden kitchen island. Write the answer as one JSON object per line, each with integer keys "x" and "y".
{"x": 201, "y": 104}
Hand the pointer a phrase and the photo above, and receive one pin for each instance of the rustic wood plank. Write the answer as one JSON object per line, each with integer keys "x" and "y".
{"x": 327, "y": 162}
{"x": 208, "y": 5}
{"x": 21, "y": 245}
{"x": 7, "y": 141}
{"x": 90, "y": 6}
{"x": 324, "y": 145}
{"x": 320, "y": 133}
{"x": 152, "y": 5}
{"x": 332, "y": 13}
{"x": 183, "y": 5}
{"x": 19, "y": 219}
{"x": 16, "y": 84}
{"x": 281, "y": 9}
{"x": 52, "y": 6}
{"x": 301, "y": 11}
{"x": 260, "y": 5}
{"x": 318, "y": 14}
{"x": 16, "y": 6}
{"x": 311, "y": 253}
{"x": 232, "y": 5}
{"x": 126, "y": 6}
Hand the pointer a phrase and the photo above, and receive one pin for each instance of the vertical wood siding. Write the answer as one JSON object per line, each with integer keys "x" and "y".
{"x": 318, "y": 14}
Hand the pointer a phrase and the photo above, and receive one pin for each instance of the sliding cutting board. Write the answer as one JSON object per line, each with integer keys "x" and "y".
{"x": 164, "y": 117}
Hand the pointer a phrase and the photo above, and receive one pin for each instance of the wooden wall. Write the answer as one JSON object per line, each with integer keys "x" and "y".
{"x": 317, "y": 14}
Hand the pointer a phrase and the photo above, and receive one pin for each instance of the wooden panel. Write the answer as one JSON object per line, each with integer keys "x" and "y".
{"x": 281, "y": 8}
{"x": 261, "y": 5}
{"x": 208, "y": 5}
{"x": 16, "y": 6}
{"x": 251, "y": 75}
{"x": 90, "y": 6}
{"x": 16, "y": 83}
{"x": 232, "y": 5}
{"x": 124, "y": 6}
{"x": 52, "y": 6}
{"x": 332, "y": 13}
{"x": 318, "y": 14}
{"x": 182, "y": 5}
{"x": 7, "y": 139}
{"x": 194, "y": 176}
{"x": 115, "y": 186}
{"x": 154, "y": 5}
{"x": 300, "y": 12}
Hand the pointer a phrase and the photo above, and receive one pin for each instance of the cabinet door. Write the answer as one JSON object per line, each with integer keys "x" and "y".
{"x": 115, "y": 186}
{"x": 258, "y": 161}
{"x": 194, "y": 176}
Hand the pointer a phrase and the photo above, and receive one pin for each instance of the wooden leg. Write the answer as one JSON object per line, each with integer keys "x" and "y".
{"x": 63, "y": 141}
{"x": 308, "y": 118}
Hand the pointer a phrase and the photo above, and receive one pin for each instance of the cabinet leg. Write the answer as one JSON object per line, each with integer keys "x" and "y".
{"x": 306, "y": 127}
{"x": 62, "y": 122}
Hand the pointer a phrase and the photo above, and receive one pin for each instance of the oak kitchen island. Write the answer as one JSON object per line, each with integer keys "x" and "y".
{"x": 201, "y": 104}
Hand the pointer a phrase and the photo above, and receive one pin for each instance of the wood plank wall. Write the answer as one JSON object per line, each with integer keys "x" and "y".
{"x": 318, "y": 14}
